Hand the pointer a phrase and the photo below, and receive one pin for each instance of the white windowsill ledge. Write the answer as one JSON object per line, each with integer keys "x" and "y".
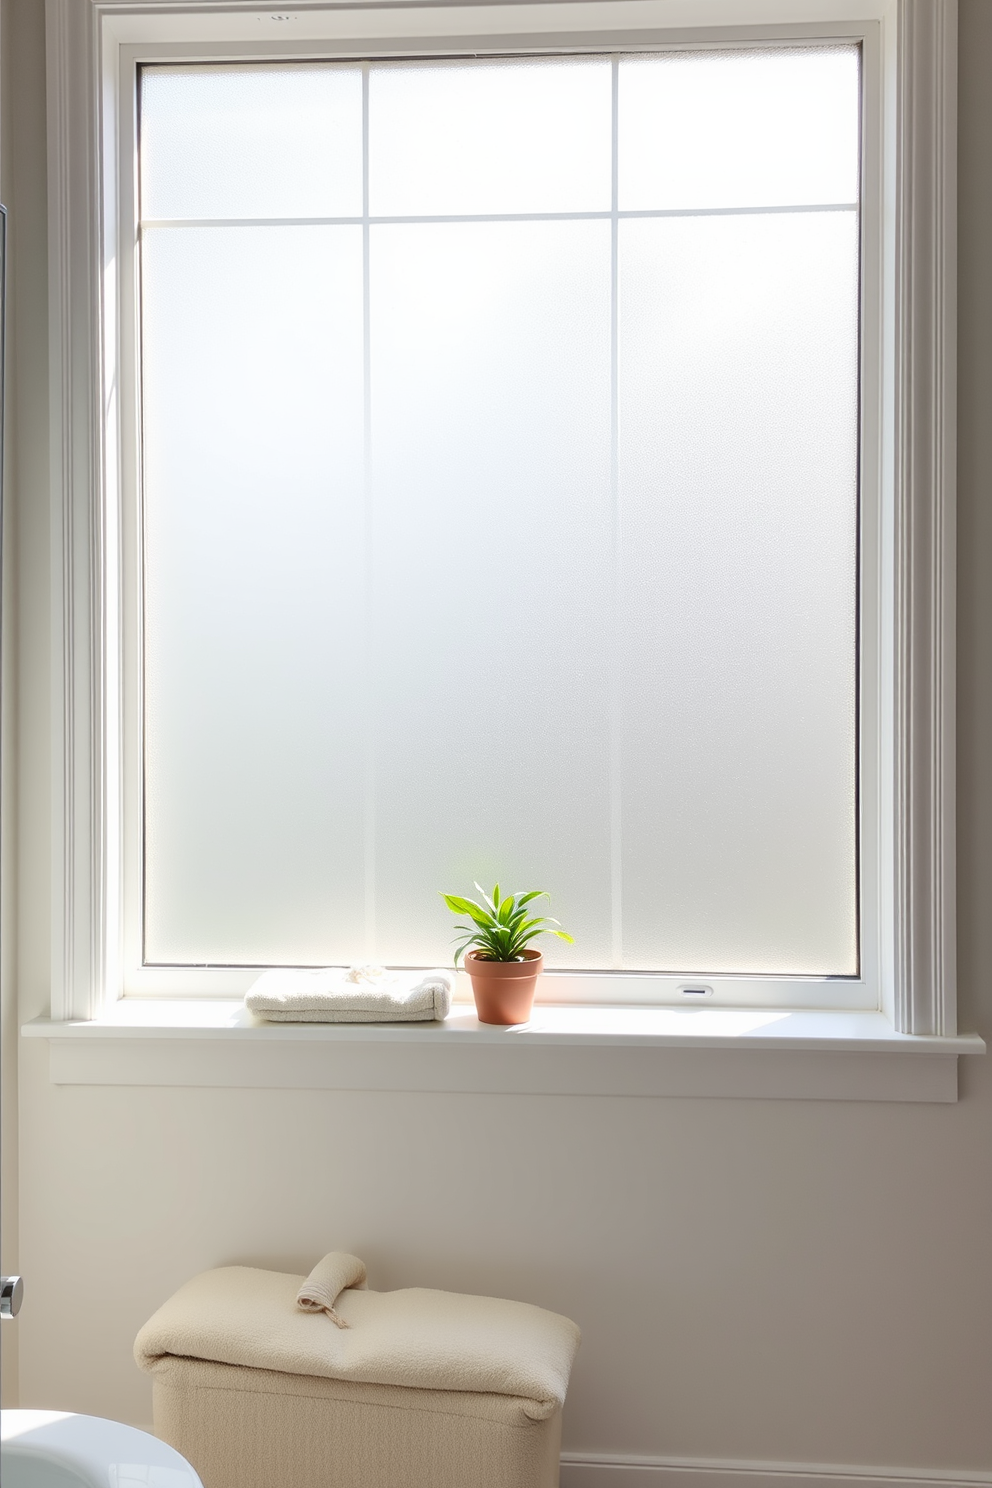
{"x": 730, "y": 1052}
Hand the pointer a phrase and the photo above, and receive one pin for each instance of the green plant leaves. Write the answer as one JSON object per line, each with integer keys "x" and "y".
{"x": 503, "y": 929}
{"x": 469, "y": 907}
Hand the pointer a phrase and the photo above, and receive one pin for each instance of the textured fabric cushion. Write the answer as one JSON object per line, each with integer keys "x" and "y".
{"x": 421, "y": 1339}
{"x": 257, "y": 1428}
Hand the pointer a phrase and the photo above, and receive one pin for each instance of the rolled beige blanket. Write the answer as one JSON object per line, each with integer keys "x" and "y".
{"x": 328, "y": 1279}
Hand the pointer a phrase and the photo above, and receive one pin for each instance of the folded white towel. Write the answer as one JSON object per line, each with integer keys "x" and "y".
{"x": 361, "y": 994}
{"x": 328, "y": 1279}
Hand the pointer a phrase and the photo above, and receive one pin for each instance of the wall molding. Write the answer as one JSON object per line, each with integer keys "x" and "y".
{"x": 917, "y": 406}
{"x": 592, "y": 1470}
{"x": 607, "y": 1470}
{"x": 81, "y": 498}
{"x": 923, "y": 163}
{"x": 365, "y": 1057}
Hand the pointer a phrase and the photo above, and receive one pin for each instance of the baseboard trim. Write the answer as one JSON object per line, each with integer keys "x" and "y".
{"x": 593, "y": 1470}
{"x": 621, "y": 1470}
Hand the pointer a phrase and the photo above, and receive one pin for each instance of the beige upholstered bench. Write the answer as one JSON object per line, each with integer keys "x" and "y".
{"x": 405, "y": 1389}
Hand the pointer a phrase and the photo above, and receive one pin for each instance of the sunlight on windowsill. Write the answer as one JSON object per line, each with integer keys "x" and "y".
{"x": 551, "y": 1024}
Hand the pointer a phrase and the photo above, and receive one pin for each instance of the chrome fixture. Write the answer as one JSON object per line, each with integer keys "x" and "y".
{"x": 10, "y": 1296}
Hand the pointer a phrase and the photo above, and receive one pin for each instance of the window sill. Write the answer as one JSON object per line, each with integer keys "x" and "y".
{"x": 738, "y": 1053}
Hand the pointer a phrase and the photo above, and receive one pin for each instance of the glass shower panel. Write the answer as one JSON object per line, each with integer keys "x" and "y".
{"x": 254, "y": 594}
{"x": 492, "y": 586}
{"x": 738, "y": 490}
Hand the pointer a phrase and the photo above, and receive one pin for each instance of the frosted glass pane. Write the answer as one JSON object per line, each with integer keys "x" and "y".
{"x": 252, "y": 403}
{"x": 738, "y": 409}
{"x": 458, "y": 138}
{"x": 489, "y": 651}
{"x": 491, "y": 461}
{"x": 739, "y": 129}
{"x": 262, "y": 141}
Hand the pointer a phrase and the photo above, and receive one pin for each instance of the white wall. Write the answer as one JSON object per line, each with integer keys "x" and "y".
{"x": 8, "y": 841}
{"x": 805, "y": 1282}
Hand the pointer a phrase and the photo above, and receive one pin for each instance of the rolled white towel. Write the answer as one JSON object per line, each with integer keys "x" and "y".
{"x": 361, "y": 994}
{"x": 328, "y": 1279}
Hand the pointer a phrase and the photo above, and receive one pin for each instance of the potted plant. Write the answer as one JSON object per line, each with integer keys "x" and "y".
{"x": 499, "y": 958}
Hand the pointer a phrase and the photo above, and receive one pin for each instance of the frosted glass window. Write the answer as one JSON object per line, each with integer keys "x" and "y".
{"x": 529, "y": 136}
{"x": 262, "y": 141}
{"x": 500, "y": 507}
{"x": 491, "y": 456}
{"x": 738, "y": 487}
{"x": 739, "y": 129}
{"x": 253, "y": 586}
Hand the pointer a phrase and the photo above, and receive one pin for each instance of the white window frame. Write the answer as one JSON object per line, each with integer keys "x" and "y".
{"x": 598, "y": 987}
{"x": 908, "y": 402}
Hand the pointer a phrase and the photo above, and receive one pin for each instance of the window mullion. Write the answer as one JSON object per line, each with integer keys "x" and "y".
{"x": 616, "y": 803}
{"x": 369, "y": 767}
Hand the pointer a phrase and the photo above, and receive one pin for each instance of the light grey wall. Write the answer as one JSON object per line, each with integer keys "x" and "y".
{"x": 974, "y": 824}
{"x": 8, "y": 844}
{"x": 25, "y": 617}
{"x": 805, "y": 1282}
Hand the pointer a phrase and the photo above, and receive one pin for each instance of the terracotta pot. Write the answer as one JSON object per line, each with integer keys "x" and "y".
{"x": 504, "y": 990}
